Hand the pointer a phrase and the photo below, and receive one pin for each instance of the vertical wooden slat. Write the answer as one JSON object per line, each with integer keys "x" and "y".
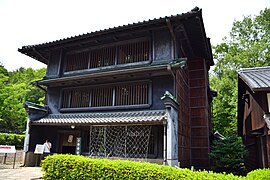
{"x": 89, "y": 60}
{"x": 90, "y": 98}
{"x": 99, "y": 102}
{"x": 93, "y": 59}
{"x": 129, "y": 94}
{"x": 113, "y": 96}
{"x": 101, "y": 55}
{"x": 104, "y": 57}
{"x": 121, "y": 95}
{"x": 93, "y": 98}
{"x": 136, "y": 94}
{"x": 69, "y": 99}
{"x": 107, "y": 57}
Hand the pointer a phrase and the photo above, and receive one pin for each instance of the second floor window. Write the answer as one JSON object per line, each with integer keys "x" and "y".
{"x": 114, "y": 95}
{"x": 107, "y": 56}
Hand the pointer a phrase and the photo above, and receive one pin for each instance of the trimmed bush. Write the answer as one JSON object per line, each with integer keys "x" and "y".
{"x": 16, "y": 140}
{"x": 79, "y": 167}
{"x": 259, "y": 174}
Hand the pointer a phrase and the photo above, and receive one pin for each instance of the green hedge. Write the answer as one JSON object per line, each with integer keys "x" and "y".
{"x": 79, "y": 167}
{"x": 12, "y": 139}
{"x": 259, "y": 174}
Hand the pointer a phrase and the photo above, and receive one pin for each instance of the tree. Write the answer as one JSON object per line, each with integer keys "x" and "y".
{"x": 27, "y": 76}
{"x": 15, "y": 89}
{"x": 228, "y": 156}
{"x": 12, "y": 112}
{"x": 248, "y": 45}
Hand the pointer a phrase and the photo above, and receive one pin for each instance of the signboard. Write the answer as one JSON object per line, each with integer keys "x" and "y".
{"x": 7, "y": 149}
{"x": 39, "y": 149}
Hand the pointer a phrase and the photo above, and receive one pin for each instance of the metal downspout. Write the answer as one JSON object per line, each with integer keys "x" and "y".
{"x": 169, "y": 68}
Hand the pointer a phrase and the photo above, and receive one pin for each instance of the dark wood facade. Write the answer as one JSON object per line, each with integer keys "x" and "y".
{"x": 128, "y": 69}
{"x": 253, "y": 115}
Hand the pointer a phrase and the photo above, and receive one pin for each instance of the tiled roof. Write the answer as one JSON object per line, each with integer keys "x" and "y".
{"x": 195, "y": 42}
{"x": 258, "y": 78}
{"x": 118, "y": 28}
{"x": 150, "y": 116}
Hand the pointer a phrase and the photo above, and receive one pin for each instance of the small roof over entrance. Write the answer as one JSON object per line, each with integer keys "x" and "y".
{"x": 108, "y": 118}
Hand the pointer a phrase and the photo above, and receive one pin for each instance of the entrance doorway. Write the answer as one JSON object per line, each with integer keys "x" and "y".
{"x": 67, "y": 143}
{"x": 68, "y": 150}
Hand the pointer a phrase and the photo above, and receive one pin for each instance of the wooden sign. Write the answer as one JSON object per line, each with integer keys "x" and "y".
{"x": 39, "y": 149}
{"x": 7, "y": 149}
{"x": 70, "y": 138}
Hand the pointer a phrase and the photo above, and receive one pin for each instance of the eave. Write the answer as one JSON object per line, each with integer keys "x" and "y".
{"x": 151, "y": 69}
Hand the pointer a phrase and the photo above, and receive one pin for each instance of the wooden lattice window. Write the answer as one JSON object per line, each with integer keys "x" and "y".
{"x": 113, "y": 95}
{"x": 77, "y": 61}
{"x": 102, "y": 97}
{"x": 107, "y": 56}
{"x": 131, "y": 94}
{"x": 133, "y": 52}
{"x": 102, "y": 57}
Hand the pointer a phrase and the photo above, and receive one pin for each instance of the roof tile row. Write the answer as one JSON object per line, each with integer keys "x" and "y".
{"x": 257, "y": 78}
{"x": 152, "y": 116}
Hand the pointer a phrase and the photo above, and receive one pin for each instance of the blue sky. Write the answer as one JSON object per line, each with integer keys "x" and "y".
{"x": 28, "y": 22}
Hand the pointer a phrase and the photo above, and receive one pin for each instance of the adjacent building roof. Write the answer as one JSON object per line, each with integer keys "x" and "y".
{"x": 258, "y": 78}
{"x": 130, "y": 117}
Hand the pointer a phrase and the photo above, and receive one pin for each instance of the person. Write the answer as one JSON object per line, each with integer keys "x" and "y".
{"x": 47, "y": 147}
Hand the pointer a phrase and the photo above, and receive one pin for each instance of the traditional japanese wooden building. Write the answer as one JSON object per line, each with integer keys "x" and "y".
{"x": 134, "y": 91}
{"x": 253, "y": 115}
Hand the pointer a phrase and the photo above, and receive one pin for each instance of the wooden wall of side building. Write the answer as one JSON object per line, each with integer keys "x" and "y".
{"x": 182, "y": 88}
{"x": 199, "y": 113}
{"x": 255, "y": 133}
{"x": 253, "y": 112}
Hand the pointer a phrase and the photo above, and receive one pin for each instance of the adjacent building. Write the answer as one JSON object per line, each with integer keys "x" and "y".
{"x": 138, "y": 91}
{"x": 253, "y": 115}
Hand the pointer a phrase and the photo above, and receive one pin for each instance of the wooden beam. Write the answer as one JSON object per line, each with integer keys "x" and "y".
{"x": 181, "y": 29}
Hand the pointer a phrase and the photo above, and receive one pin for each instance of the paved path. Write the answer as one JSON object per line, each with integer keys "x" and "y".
{"x": 20, "y": 173}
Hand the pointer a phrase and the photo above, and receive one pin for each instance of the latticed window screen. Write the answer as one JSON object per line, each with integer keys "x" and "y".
{"x": 77, "y": 61}
{"x": 102, "y": 57}
{"x": 107, "y": 56}
{"x": 133, "y": 52}
{"x": 120, "y": 141}
{"x": 114, "y": 95}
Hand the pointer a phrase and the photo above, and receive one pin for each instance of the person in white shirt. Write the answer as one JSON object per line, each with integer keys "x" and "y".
{"x": 47, "y": 147}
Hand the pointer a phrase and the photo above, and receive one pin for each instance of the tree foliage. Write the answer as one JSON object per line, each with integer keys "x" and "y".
{"x": 15, "y": 89}
{"x": 228, "y": 156}
{"x": 248, "y": 45}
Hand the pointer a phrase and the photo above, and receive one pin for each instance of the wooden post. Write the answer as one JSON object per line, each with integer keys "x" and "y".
{"x": 14, "y": 160}
{"x": 5, "y": 158}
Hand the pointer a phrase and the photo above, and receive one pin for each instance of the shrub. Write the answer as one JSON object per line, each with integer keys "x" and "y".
{"x": 12, "y": 139}
{"x": 257, "y": 174}
{"x": 228, "y": 156}
{"x": 79, "y": 167}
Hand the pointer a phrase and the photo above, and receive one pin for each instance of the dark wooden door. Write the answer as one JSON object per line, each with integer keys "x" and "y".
{"x": 67, "y": 143}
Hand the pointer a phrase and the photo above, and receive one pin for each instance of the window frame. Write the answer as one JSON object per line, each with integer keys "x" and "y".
{"x": 115, "y": 46}
{"x": 69, "y": 109}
